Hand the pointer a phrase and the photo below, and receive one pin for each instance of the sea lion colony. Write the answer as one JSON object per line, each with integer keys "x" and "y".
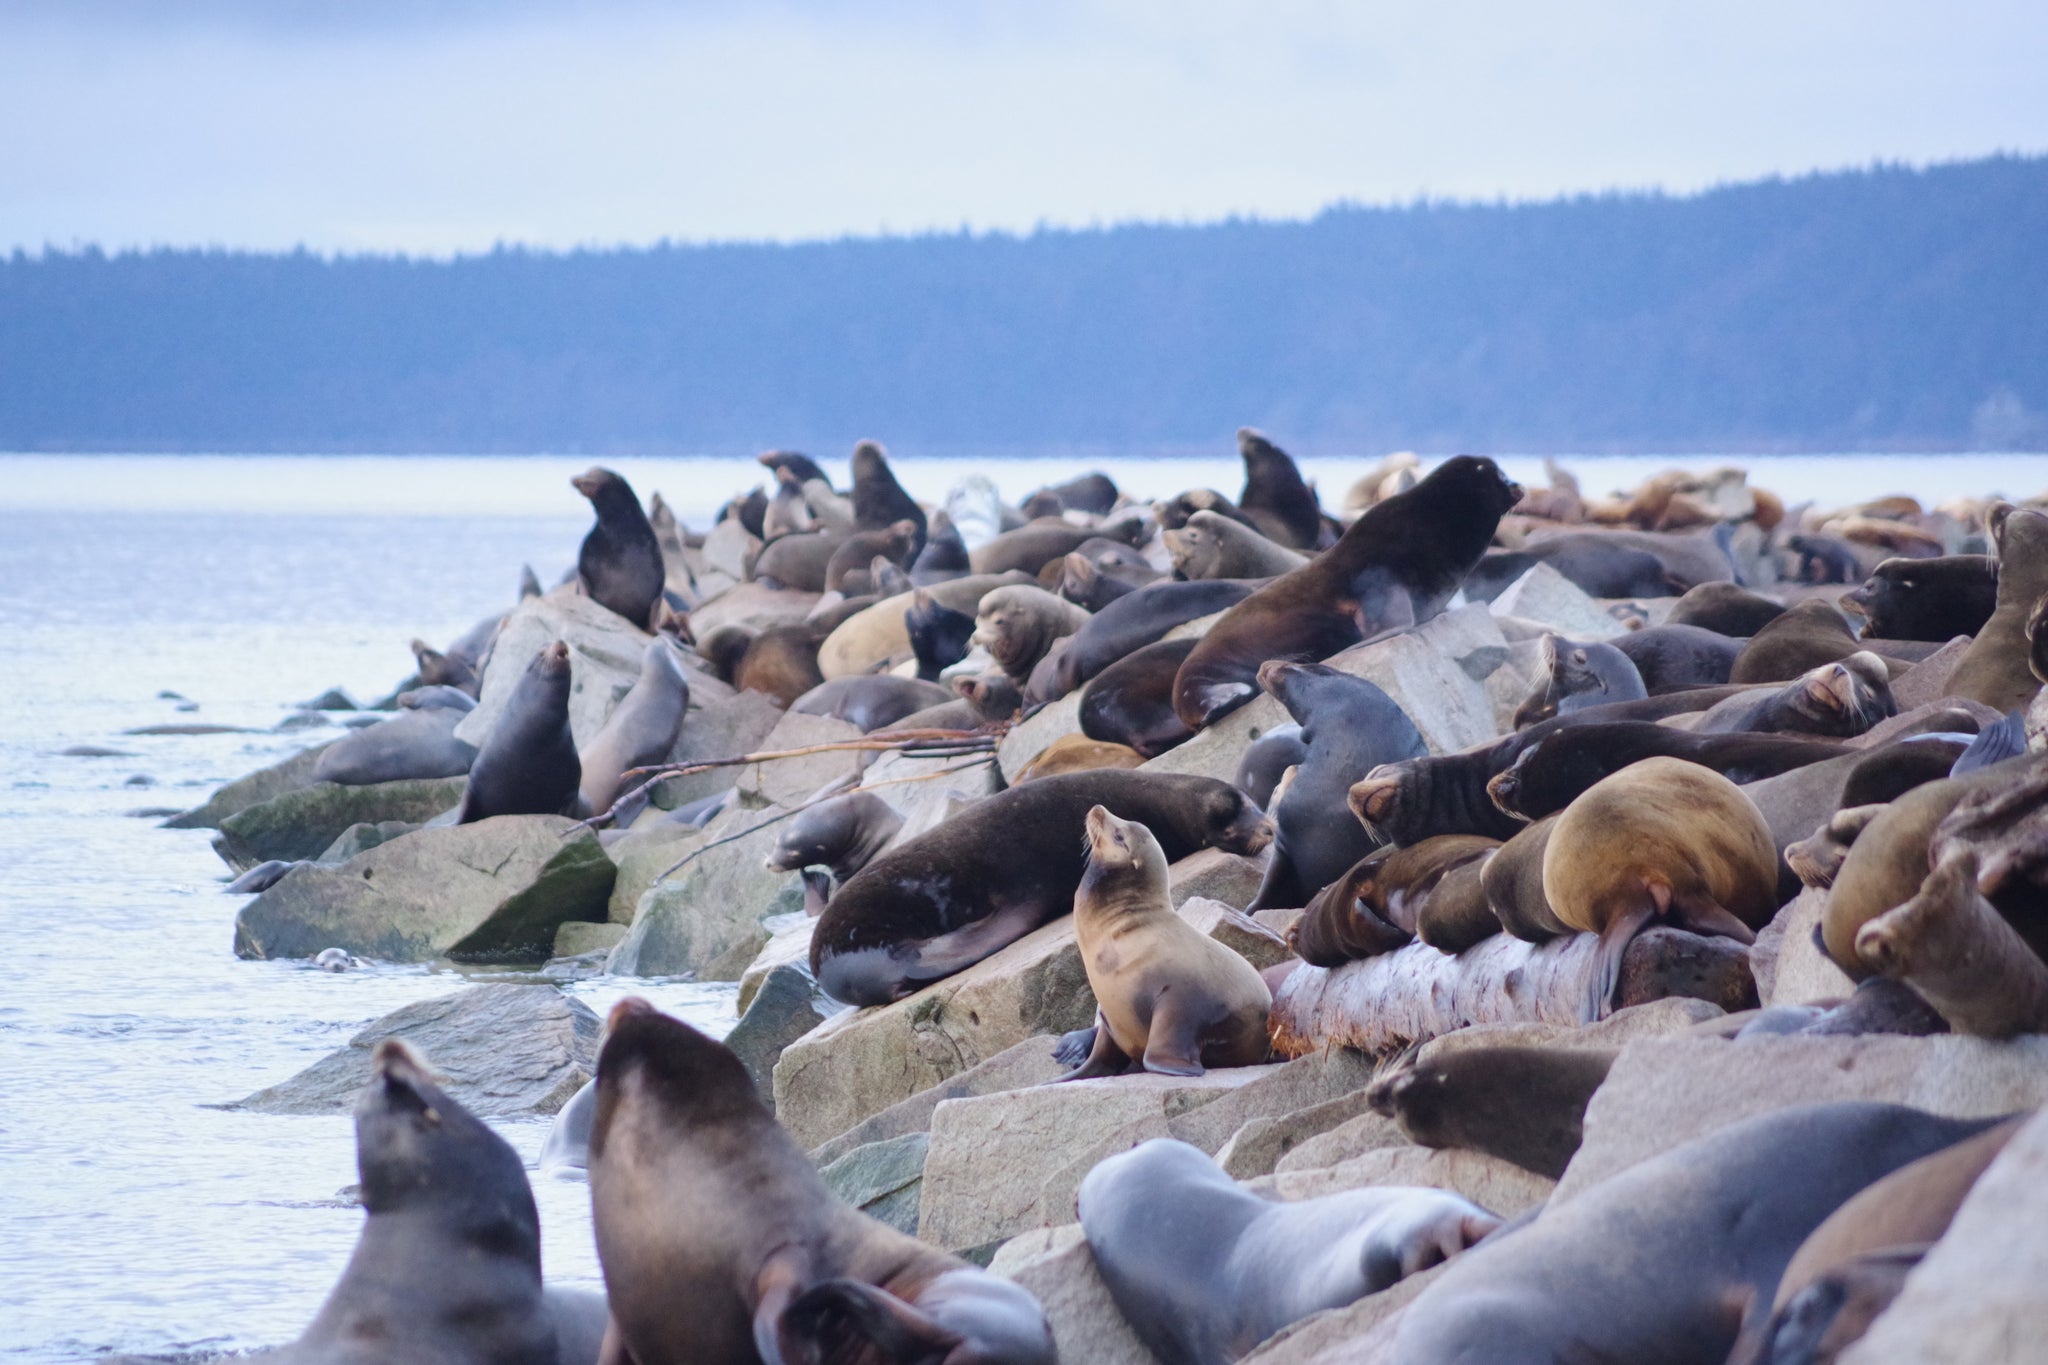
{"x": 1535, "y": 784}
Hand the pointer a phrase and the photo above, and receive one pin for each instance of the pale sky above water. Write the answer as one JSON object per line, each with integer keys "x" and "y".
{"x": 449, "y": 125}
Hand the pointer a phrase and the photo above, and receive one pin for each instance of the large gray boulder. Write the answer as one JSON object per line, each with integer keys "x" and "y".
{"x": 707, "y": 918}
{"x": 505, "y": 1051}
{"x": 1789, "y": 966}
{"x": 1030, "y": 738}
{"x": 262, "y": 785}
{"x": 782, "y": 1010}
{"x": 1547, "y": 597}
{"x": 493, "y": 891}
{"x": 1493, "y": 1184}
{"x": 1026, "y": 1064}
{"x": 304, "y": 822}
{"x": 1058, "y": 1267}
{"x": 882, "y": 1179}
{"x": 720, "y": 723}
{"x": 644, "y": 854}
{"x": 791, "y": 782}
{"x": 605, "y": 652}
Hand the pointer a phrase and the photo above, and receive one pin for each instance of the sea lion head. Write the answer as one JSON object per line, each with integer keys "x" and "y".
{"x": 1846, "y": 697}
{"x": 417, "y": 1149}
{"x": 792, "y": 467}
{"x": 1546, "y": 775}
{"x": 1014, "y": 626}
{"x": 607, "y": 491}
{"x": 1173, "y": 513}
{"x": 1194, "y": 549}
{"x": 994, "y": 695}
{"x": 870, "y": 460}
{"x": 658, "y": 1069}
{"x": 552, "y": 663}
{"x": 1232, "y": 822}
{"x": 1376, "y": 797}
{"x": 1120, "y": 849}
{"x": 1476, "y": 481}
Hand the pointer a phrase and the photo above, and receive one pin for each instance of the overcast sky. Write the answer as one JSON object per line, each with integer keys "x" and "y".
{"x": 447, "y": 125}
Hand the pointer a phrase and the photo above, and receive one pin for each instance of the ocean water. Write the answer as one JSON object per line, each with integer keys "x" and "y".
{"x": 135, "y": 1214}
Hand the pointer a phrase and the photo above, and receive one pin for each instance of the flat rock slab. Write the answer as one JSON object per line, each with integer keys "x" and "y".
{"x": 1547, "y": 597}
{"x": 305, "y": 821}
{"x": 605, "y": 651}
{"x": 251, "y": 790}
{"x": 505, "y": 1051}
{"x": 1216, "y": 875}
{"x": 882, "y": 1179}
{"x": 493, "y": 891}
{"x": 1237, "y": 931}
{"x": 1663, "y": 1092}
{"x": 792, "y": 781}
{"x": 706, "y": 919}
{"x": 1493, "y": 1184}
{"x": 1058, "y": 1267}
{"x": 1027, "y": 1064}
{"x": 643, "y": 855}
{"x": 861, "y": 1062}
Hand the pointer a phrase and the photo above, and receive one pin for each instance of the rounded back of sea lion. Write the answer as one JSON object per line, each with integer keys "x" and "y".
{"x": 1525, "y": 1105}
{"x": 1562, "y": 765}
{"x": 798, "y": 561}
{"x": 1730, "y": 1210}
{"x": 1456, "y": 914}
{"x": 871, "y": 701}
{"x": 1669, "y": 658}
{"x": 1266, "y": 758}
{"x": 1513, "y": 882}
{"x": 1342, "y": 923}
{"x": 1725, "y": 609}
{"x": 1031, "y": 547}
{"x": 641, "y": 729}
{"x": 1139, "y": 618}
{"x": 1807, "y": 635}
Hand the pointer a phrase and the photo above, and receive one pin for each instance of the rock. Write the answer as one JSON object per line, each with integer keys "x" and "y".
{"x": 1216, "y": 750}
{"x": 578, "y": 938}
{"x": 1360, "y": 1333}
{"x": 643, "y": 856}
{"x": 1425, "y": 672}
{"x": 333, "y": 699}
{"x": 1544, "y": 595}
{"x": 1239, "y": 932}
{"x": 1656, "y": 1019}
{"x": 729, "y": 549}
{"x": 925, "y": 790}
{"x": 1365, "y": 1131}
{"x": 752, "y": 606}
{"x": 1976, "y": 1298}
{"x": 504, "y": 1051}
{"x": 302, "y": 823}
{"x": 861, "y": 1062}
{"x": 1508, "y": 686}
{"x": 783, "y": 1010}
{"x": 1927, "y": 681}
{"x": 790, "y": 782}
{"x": 1258, "y": 1147}
{"x": 1216, "y": 875}
{"x": 301, "y": 720}
{"x": 1002, "y": 1164}
{"x": 1030, "y": 738}
{"x": 706, "y": 919}
{"x": 1058, "y": 1268}
{"x": 715, "y": 727}
{"x": 789, "y": 944}
{"x": 1665, "y": 1091}
{"x": 1799, "y": 972}
{"x": 1027, "y": 1064}
{"x": 605, "y": 652}
{"x": 1279, "y": 1090}
{"x": 264, "y": 784}
{"x": 1493, "y": 1184}
{"x": 882, "y": 1179}
{"x": 363, "y": 836}
{"x": 493, "y": 891}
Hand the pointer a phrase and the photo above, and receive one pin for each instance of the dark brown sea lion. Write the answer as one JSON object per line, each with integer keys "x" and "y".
{"x": 1168, "y": 998}
{"x": 1927, "y": 599}
{"x": 1839, "y": 699}
{"x": 641, "y": 729}
{"x": 1140, "y": 618}
{"x": 1280, "y": 505}
{"x": 939, "y": 636}
{"x": 747, "y": 510}
{"x": 1725, "y": 609}
{"x": 720, "y": 1242}
{"x": 944, "y": 556}
{"x": 1214, "y": 546}
{"x": 1662, "y": 1261}
{"x": 1000, "y": 868}
{"x": 1349, "y": 727}
{"x": 893, "y": 543}
{"x": 871, "y": 701}
{"x": 527, "y": 764}
{"x": 1395, "y": 566}
{"x": 878, "y": 499}
{"x": 1554, "y": 771}
{"x": 1996, "y": 668}
{"x": 841, "y": 833}
{"x": 620, "y": 562}
{"x": 1131, "y": 701}
{"x": 1457, "y": 914}
{"x": 1809, "y": 634}
{"x": 801, "y": 467}
{"x": 781, "y": 661}
{"x": 1953, "y": 947}
{"x": 1513, "y": 882}
{"x": 1578, "y": 675}
{"x": 1204, "y": 1269}
{"x": 1093, "y": 492}
{"x": 1662, "y": 839}
{"x": 1018, "y": 625}
{"x": 1669, "y": 658}
{"x": 1173, "y": 513}
{"x": 1525, "y": 1105}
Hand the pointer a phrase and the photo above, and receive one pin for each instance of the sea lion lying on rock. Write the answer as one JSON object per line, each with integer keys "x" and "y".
{"x": 1018, "y": 625}
{"x": 1525, "y": 1105}
{"x": 1551, "y": 773}
{"x": 1927, "y": 599}
{"x": 1214, "y": 546}
{"x": 841, "y": 833}
{"x": 418, "y": 742}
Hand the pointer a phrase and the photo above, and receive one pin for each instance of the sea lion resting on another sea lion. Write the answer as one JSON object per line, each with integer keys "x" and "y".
{"x": 1377, "y": 905}
{"x": 1837, "y": 699}
{"x": 1214, "y": 546}
{"x": 1927, "y": 599}
{"x": 1204, "y": 1269}
{"x": 720, "y": 1243}
{"x": 1018, "y": 625}
{"x": 1168, "y": 998}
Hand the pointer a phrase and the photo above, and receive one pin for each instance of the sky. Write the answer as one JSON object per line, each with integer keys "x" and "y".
{"x": 441, "y": 126}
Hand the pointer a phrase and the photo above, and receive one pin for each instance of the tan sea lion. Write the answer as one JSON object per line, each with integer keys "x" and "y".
{"x": 1018, "y": 625}
{"x": 1168, "y": 998}
{"x": 1996, "y": 669}
{"x": 1953, "y": 947}
{"x": 1214, "y": 546}
{"x": 1078, "y": 753}
{"x": 1513, "y": 882}
{"x": 1662, "y": 839}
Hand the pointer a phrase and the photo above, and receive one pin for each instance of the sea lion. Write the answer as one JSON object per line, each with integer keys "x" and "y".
{"x": 1579, "y": 675}
{"x": 1131, "y": 701}
{"x": 1036, "y": 544}
{"x": 263, "y": 876}
{"x": 878, "y": 499}
{"x": 1093, "y": 492}
{"x": 1927, "y": 599}
{"x": 620, "y": 563}
{"x": 1173, "y": 513}
{"x": 1169, "y": 999}
{"x": 1663, "y": 839}
{"x": 641, "y": 729}
{"x": 872, "y": 701}
{"x": 1837, "y": 699}
{"x": 939, "y": 636}
{"x": 1017, "y": 625}
{"x": 447, "y": 1267}
{"x": 1705, "y": 1231}
{"x": 944, "y": 556}
{"x": 568, "y": 1140}
{"x": 1809, "y": 634}
{"x": 1204, "y": 1269}
{"x": 781, "y": 661}
{"x": 1280, "y": 505}
{"x": 1554, "y": 771}
{"x": 787, "y": 514}
{"x": 798, "y": 562}
{"x": 1140, "y": 618}
{"x": 1378, "y": 904}
{"x": 437, "y": 669}
{"x": 1457, "y": 914}
{"x": 858, "y": 552}
{"x": 1725, "y": 609}
{"x": 1350, "y": 727}
{"x": 1827, "y": 559}
{"x": 1214, "y": 546}
{"x": 1669, "y": 658}
{"x": 1000, "y": 868}
{"x": 1512, "y": 880}
{"x": 1525, "y": 1105}
{"x": 1953, "y": 947}
{"x": 841, "y": 833}
{"x": 799, "y": 466}
{"x": 747, "y": 510}
{"x": 1689, "y": 558}
{"x": 1879, "y": 1005}
{"x": 418, "y": 742}
{"x": 1593, "y": 563}
{"x": 720, "y": 1243}
{"x": 1396, "y": 566}
{"x": 527, "y": 764}
{"x": 1266, "y": 758}
{"x": 1078, "y": 754}
{"x": 1397, "y": 473}
{"x": 1996, "y": 669}
{"x": 992, "y": 695}
{"x": 1094, "y": 584}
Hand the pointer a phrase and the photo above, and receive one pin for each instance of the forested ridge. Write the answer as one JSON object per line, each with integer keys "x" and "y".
{"x": 1889, "y": 308}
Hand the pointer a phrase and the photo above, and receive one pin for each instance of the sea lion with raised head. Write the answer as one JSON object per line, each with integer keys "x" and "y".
{"x": 620, "y": 563}
{"x": 720, "y": 1243}
{"x": 878, "y": 499}
{"x": 1139, "y": 618}
{"x": 1927, "y": 599}
{"x": 1661, "y": 840}
{"x": 1169, "y": 999}
{"x": 1214, "y": 546}
{"x": 1396, "y": 566}
{"x": 1952, "y": 946}
{"x": 641, "y": 729}
{"x": 1577, "y": 676}
{"x": 1525, "y": 1105}
{"x": 1000, "y": 868}
{"x": 1279, "y": 503}
{"x": 1018, "y": 625}
{"x": 527, "y": 764}
{"x": 1204, "y": 1269}
{"x": 1996, "y": 669}
{"x": 841, "y": 833}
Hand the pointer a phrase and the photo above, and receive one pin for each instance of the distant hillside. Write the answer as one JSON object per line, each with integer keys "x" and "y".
{"x": 1888, "y": 308}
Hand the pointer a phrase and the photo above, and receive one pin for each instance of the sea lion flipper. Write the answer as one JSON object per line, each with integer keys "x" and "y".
{"x": 1620, "y": 931}
{"x": 1105, "y": 1058}
{"x": 1173, "y": 1045}
{"x": 828, "y": 1312}
{"x": 1705, "y": 916}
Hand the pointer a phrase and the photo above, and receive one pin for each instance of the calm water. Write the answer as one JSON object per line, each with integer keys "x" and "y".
{"x": 133, "y": 1215}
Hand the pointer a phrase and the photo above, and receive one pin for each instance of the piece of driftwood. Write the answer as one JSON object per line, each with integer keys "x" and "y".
{"x": 1416, "y": 993}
